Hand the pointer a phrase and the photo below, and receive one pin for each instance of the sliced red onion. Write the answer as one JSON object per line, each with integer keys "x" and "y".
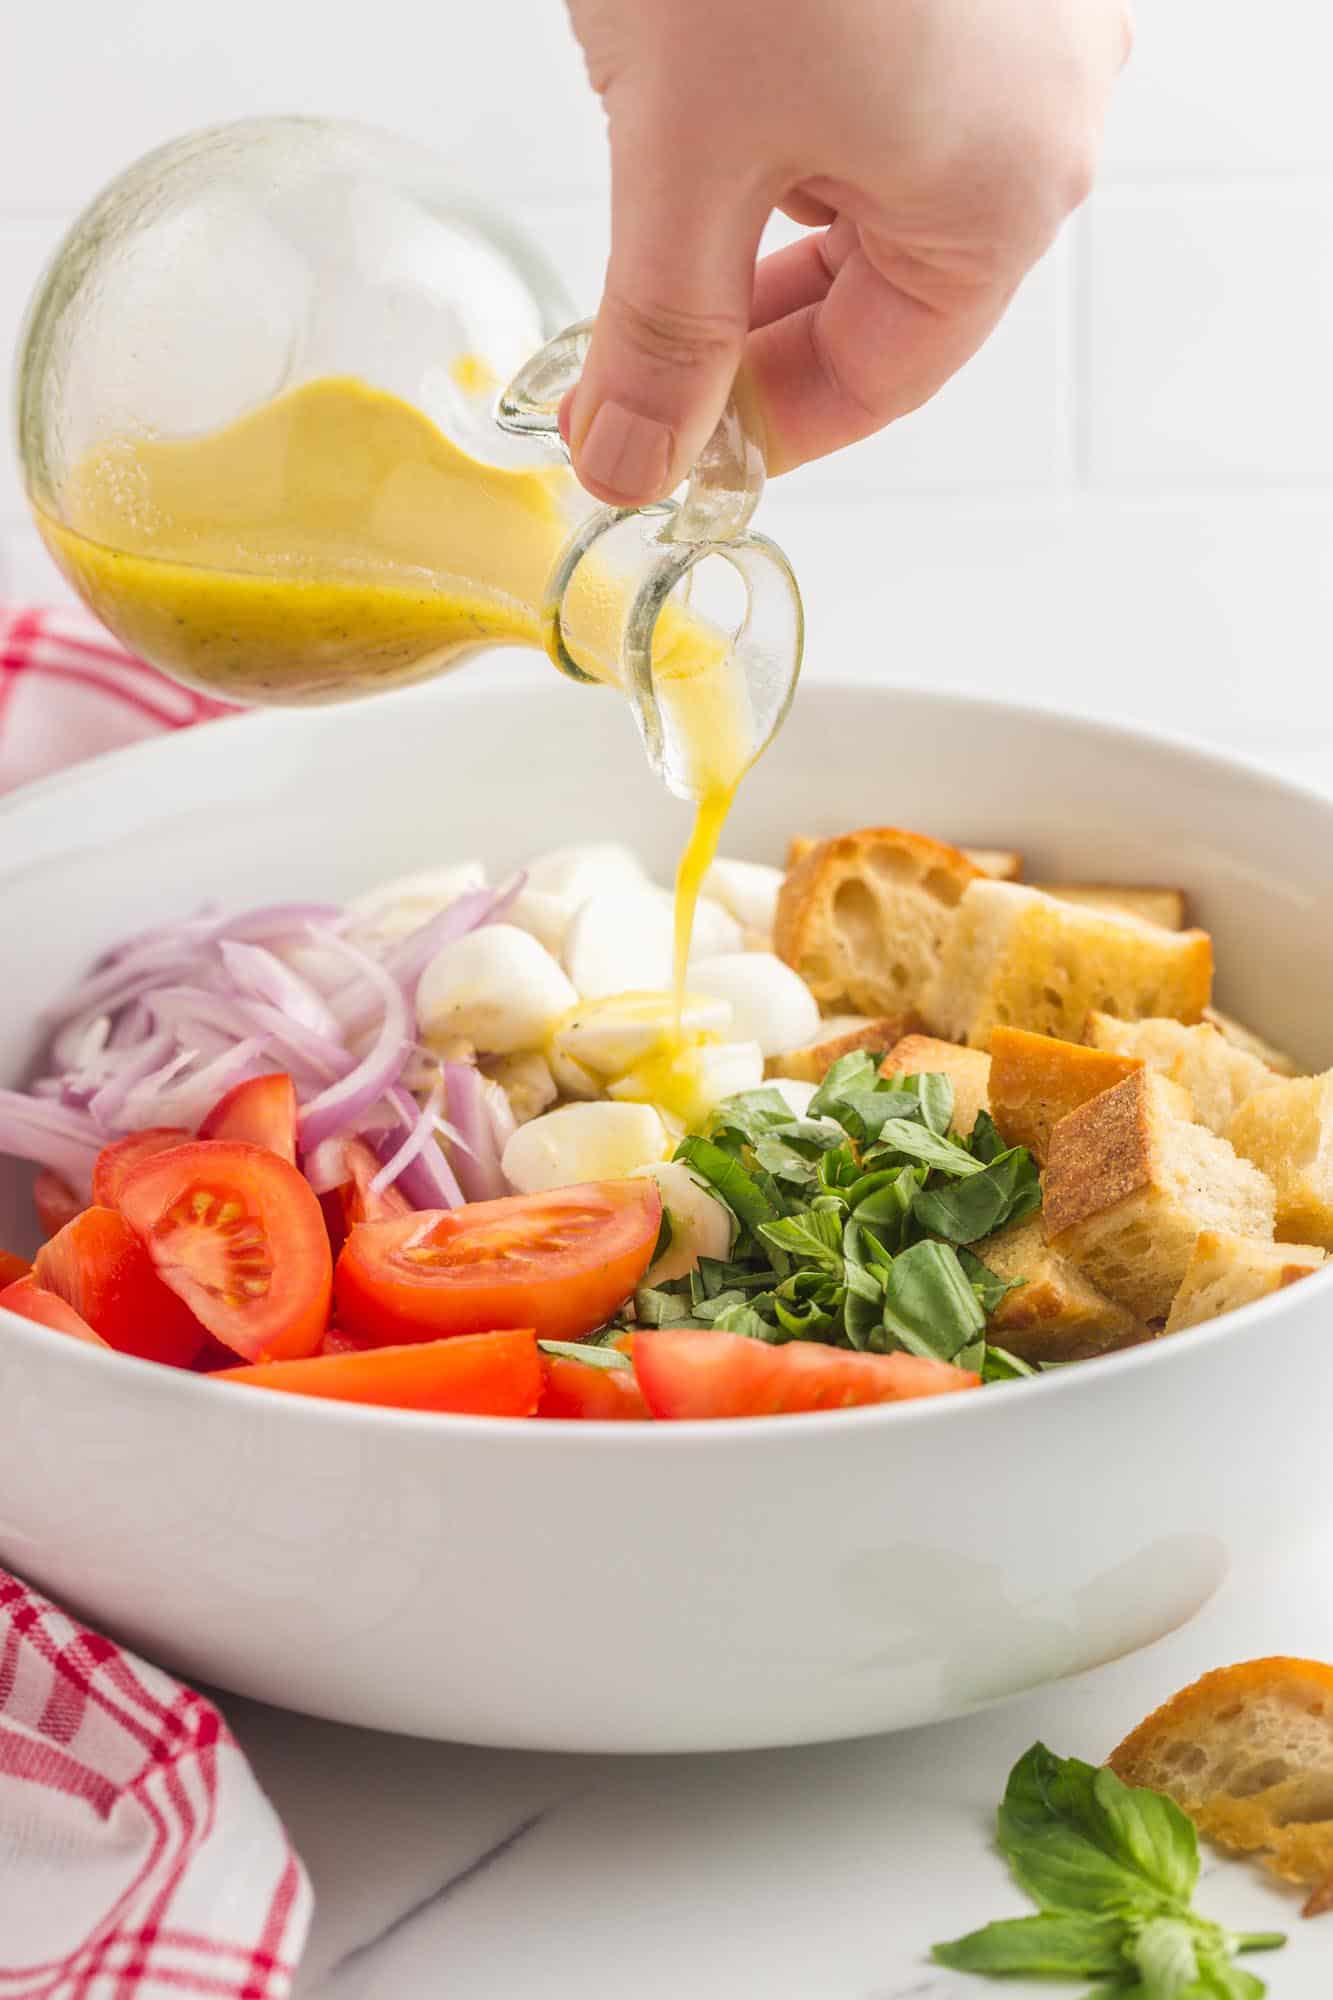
{"x": 187, "y": 1098}
{"x": 261, "y": 976}
{"x": 477, "y": 1161}
{"x": 106, "y": 1104}
{"x": 420, "y": 1134}
{"x": 325, "y": 1165}
{"x": 428, "y": 1181}
{"x": 35, "y": 1129}
{"x": 336, "y": 1108}
{"x": 276, "y": 920}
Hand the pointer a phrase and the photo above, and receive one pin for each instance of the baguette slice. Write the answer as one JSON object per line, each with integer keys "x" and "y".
{"x": 1035, "y": 1081}
{"x": 969, "y": 1069}
{"x": 1019, "y": 959}
{"x": 1130, "y": 1182}
{"x": 1200, "y": 1059}
{"x": 1164, "y": 907}
{"x": 839, "y": 1036}
{"x": 1226, "y": 1271}
{"x": 1001, "y": 862}
{"x": 1245, "y": 1038}
{"x": 863, "y": 918}
{"x": 1247, "y": 1752}
{"x": 1057, "y": 1314}
{"x": 1287, "y": 1130}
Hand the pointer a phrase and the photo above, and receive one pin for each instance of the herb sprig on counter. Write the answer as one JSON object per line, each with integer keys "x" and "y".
{"x": 1112, "y": 1870}
{"x": 853, "y": 1223}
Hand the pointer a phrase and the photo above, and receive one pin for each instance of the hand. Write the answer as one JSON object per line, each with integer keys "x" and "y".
{"x": 939, "y": 144}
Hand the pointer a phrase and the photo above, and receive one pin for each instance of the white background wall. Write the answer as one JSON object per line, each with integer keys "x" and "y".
{"x": 1124, "y": 504}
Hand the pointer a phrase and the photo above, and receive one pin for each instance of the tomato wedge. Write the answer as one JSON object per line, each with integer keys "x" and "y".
{"x": 29, "y": 1300}
{"x": 98, "y": 1265}
{"x": 560, "y": 1262}
{"x": 574, "y": 1390}
{"x": 114, "y": 1161}
{"x": 55, "y": 1201}
{"x": 237, "y": 1233}
{"x": 352, "y": 1202}
{"x": 261, "y": 1112}
{"x": 695, "y": 1374}
{"x": 480, "y": 1375}
{"x": 12, "y": 1268}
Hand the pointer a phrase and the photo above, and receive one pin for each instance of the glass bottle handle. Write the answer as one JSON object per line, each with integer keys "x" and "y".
{"x": 712, "y": 519}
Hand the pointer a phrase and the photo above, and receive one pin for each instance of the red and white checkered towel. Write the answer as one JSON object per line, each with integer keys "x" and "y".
{"x": 138, "y": 1856}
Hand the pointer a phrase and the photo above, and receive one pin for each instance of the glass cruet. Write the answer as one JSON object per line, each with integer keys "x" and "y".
{"x": 254, "y": 262}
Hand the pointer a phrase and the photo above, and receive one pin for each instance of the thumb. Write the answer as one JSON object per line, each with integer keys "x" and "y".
{"x": 674, "y": 314}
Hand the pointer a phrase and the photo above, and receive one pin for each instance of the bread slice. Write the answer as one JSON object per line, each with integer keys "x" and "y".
{"x": 1247, "y": 1752}
{"x": 1001, "y": 862}
{"x": 840, "y": 1036}
{"x": 1226, "y": 1271}
{"x": 1131, "y": 1180}
{"x": 1218, "y": 1076}
{"x": 1245, "y": 1038}
{"x": 1057, "y": 1314}
{"x": 1036, "y": 1080}
{"x": 1287, "y": 1130}
{"x": 1164, "y": 907}
{"x": 923, "y": 1055}
{"x": 1017, "y": 958}
{"x": 863, "y": 918}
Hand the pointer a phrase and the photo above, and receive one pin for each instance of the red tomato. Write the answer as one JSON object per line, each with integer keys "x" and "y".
{"x": 692, "y": 1374}
{"x": 336, "y": 1341}
{"x": 236, "y": 1232}
{"x": 261, "y": 1112}
{"x": 12, "y": 1269}
{"x": 29, "y": 1300}
{"x": 353, "y": 1201}
{"x": 114, "y": 1161}
{"x": 98, "y": 1265}
{"x": 560, "y": 1262}
{"x": 55, "y": 1201}
{"x": 573, "y": 1389}
{"x": 481, "y": 1375}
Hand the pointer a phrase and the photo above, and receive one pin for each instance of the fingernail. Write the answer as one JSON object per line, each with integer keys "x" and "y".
{"x": 625, "y": 454}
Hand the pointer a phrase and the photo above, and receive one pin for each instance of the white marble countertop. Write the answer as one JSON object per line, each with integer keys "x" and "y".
{"x": 813, "y": 1874}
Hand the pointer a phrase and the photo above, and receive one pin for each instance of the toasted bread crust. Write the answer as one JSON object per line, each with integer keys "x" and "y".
{"x": 1035, "y": 1081}
{"x": 863, "y": 917}
{"x": 1056, "y": 1314}
{"x": 1002, "y": 862}
{"x": 1101, "y": 1153}
{"x": 1247, "y": 1752}
{"x": 969, "y": 1069}
{"x": 812, "y": 1063}
{"x": 1226, "y": 1272}
{"x": 1167, "y": 908}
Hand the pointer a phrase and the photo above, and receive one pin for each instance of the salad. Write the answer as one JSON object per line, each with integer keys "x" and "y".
{"x": 457, "y": 1147}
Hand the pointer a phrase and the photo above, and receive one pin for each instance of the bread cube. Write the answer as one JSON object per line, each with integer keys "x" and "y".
{"x": 1164, "y": 907}
{"x": 1001, "y": 862}
{"x": 1131, "y": 1180}
{"x": 1217, "y": 1075}
{"x": 1057, "y": 1314}
{"x": 1245, "y": 1038}
{"x": 1017, "y": 958}
{"x": 1036, "y": 1080}
{"x": 839, "y": 1036}
{"x": 1226, "y": 1271}
{"x": 863, "y": 917}
{"x": 923, "y": 1055}
{"x": 1287, "y": 1130}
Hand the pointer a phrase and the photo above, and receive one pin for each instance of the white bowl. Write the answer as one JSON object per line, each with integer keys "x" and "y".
{"x": 689, "y": 1587}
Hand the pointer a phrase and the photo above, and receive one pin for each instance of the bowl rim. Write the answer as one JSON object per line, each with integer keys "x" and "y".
{"x": 1056, "y": 1384}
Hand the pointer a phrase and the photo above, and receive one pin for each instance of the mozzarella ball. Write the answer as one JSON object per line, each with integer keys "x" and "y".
{"x": 624, "y": 941}
{"x": 770, "y": 1004}
{"x": 749, "y": 890}
{"x": 609, "y": 1036}
{"x": 724, "y": 1070}
{"x": 715, "y": 930}
{"x": 497, "y": 986}
{"x": 395, "y": 909}
{"x": 526, "y": 1081}
{"x": 701, "y": 1226}
{"x": 576, "y": 873}
{"x": 547, "y": 918}
{"x": 583, "y": 1142}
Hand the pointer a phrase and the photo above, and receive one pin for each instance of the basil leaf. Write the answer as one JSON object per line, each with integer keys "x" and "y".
{"x": 655, "y": 1307}
{"x": 991, "y": 1197}
{"x": 1072, "y": 1946}
{"x": 865, "y": 1113}
{"x": 839, "y": 1170}
{"x": 751, "y": 1113}
{"x": 998, "y": 1365}
{"x": 664, "y": 1231}
{"x": 1166, "y": 1955}
{"x": 742, "y": 1318}
{"x": 784, "y": 1163}
{"x": 816, "y": 1236}
{"x": 711, "y": 1310}
{"x": 1151, "y": 1832}
{"x": 972, "y": 1357}
{"x": 856, "y": 1071}
{"x": 984, "y": 1140}
{"x": 1219, "y": 1979}
{"x": 1060, "y": 1847}
{"x": 916, "y": 1142}
{"x": 728, "y": 1180}
{"x": 606, "y": 1358}
{"x": 935, "y": 1092}
{"x": 929, "y": 1307}
{"x": 991, "y": 1290}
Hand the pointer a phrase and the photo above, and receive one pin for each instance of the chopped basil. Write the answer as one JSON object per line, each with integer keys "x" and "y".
{"x": 606, "y": 1358}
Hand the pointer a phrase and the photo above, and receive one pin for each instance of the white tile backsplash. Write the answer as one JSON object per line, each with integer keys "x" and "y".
{"x": 1210, "y": 336}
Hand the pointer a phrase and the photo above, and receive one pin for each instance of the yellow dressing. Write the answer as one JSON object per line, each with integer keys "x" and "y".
{"x": 334, "y": 541}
